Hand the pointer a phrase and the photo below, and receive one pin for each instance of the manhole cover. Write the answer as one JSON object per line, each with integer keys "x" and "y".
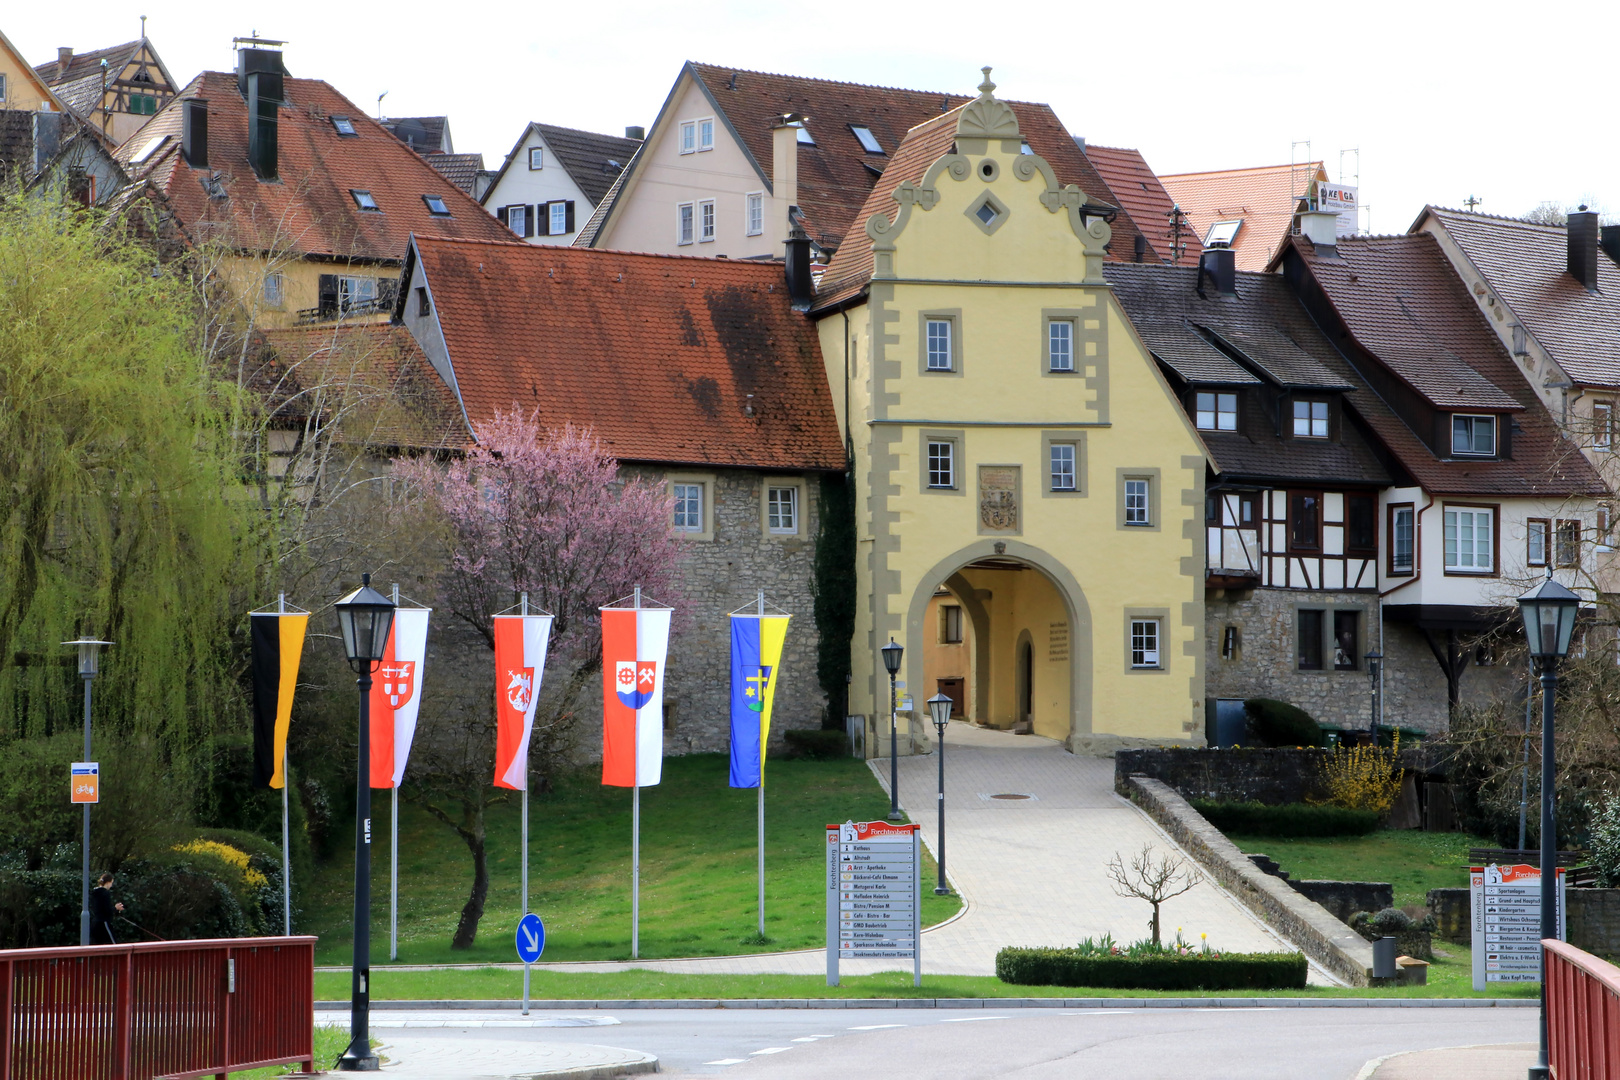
{"x": 1009, "y": 796}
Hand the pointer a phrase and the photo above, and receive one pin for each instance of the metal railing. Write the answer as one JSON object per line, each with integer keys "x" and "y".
{"x": 1583, "y": 1014}
{"x": 157, "y": 1009}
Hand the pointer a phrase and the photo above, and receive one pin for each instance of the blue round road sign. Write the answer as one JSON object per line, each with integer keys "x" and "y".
{"x": 531, "y": 938}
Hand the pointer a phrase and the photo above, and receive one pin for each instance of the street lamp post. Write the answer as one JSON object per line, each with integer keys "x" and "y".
{"x": 891, "y": 660}
{"x": 1549, "y": 621}
{"x": 1373, "y": 659}
{"x": 939, "y": 706}
{"x": 89, "y": 665}
{"x": 364, "y": 616}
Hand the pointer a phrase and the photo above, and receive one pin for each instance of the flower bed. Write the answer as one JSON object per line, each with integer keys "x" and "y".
{"x": 1150, "y": 966}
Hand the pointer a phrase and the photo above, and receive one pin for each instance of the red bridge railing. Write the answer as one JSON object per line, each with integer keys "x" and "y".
{"x": 1583, "y": 1014}
{"x": 158, "y": 1009}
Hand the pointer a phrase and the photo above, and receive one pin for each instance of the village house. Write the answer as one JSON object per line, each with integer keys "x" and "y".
{"x": 1248, "y": 210}
{"x": 116, "y": 90}
{"x": 554, "y": 178}
{"x": 33, "y": 120}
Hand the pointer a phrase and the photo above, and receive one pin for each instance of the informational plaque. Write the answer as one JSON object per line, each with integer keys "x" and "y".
{"x": 874, "y": 899}
{"x": 1504, "y": 904}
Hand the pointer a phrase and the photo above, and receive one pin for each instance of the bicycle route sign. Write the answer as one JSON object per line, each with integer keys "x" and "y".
{"x": 1504, "y": 905}
{"x": 874, "y": 895}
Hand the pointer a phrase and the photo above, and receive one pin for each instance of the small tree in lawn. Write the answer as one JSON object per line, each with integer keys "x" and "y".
{"x": 1152, "y": 879}
{"x": 543, "y": 512}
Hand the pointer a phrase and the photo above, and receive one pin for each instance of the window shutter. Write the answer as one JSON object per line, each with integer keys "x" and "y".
{"x": 500, "y": 215}
{"x": 528, "y": 222}
{"x": 569, "y": 224}
{"x": 328, "y": 294}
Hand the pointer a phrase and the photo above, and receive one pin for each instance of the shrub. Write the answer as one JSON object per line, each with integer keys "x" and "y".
{"x": 1277, "y": 723}
{"x": 1412, "y": 936}
{"x": 1291, "y": 819}
{"x": 1363, "y": 777}
{"x": 1195, "y": 971}
{"x": 820, "y": 745}
{"x": 1604, "y": 841}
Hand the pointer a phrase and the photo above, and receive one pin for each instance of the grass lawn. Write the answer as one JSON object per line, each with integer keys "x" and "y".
{"x": 1412, "y": 861}
{"x": 1449, "y": 977}
{"x": 698, "y": 880}
{"x": 330, "y": 1042}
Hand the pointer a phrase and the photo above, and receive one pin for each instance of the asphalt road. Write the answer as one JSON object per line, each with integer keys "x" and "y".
{"x": 1031, "y": 1044}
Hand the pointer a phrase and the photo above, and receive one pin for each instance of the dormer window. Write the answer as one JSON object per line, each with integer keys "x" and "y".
{"x": 1310, "y": 419}
{"x": 868, "y": 141}
{"x": 436, "y": 206}
{"x": 344, "y": 126}
{"x": 363, "y": 200}
{"x": 1474, "y": 436}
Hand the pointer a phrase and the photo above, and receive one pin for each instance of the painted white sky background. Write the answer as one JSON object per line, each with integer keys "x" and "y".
{"x": 1510, "y": 103}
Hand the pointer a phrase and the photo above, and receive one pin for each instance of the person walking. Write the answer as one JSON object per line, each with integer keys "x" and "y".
{"x": 103, "y": 910}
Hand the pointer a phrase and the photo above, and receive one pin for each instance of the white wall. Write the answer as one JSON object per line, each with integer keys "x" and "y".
{"x": 532, "y": 187}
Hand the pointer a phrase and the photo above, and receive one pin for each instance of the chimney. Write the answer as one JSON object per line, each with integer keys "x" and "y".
{"x": 259, "y": 74}
{"x": 1582, "y": 230}
{"x": 1220, "y": 264}
{"x": 1321, "y": 227}
{"x": 1141, "y": 247}
{"x": 801, "y": 286}
{"x": 1609, "y": 241}
{"x": 194, "y": 133}
{"x": 64, "y": 60}
{"x": 636, "y": 132}
{"x": 785, "y": 169}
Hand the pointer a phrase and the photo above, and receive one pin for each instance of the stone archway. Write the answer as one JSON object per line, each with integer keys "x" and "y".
{"x": 1062, "y": 643}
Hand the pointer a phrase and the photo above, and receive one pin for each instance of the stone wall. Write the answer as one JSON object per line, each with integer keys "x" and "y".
{"x": 1592, "y": 918}
{"x": 1273, "y": 777}
{"x": 1344, "y": 898}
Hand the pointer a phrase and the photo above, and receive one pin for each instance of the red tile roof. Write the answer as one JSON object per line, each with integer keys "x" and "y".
{"x": 1145, "y": 199}
{"x": 834, "y": 177}
{"x": 1264, "y": 197}
{"x": 309, "y": 211}
{"x": 1526, "y": 266}
{"x": 658, "y": 354}
{"x": 1402, "y": 302}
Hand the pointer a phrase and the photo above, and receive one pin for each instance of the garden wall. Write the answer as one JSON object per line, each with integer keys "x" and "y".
{"x": 1243, "y": 774}
{"x": 1593, "y": 918}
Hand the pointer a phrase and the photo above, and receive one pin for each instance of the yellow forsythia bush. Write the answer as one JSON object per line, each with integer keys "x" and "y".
{"x": 234, "y": 856}
{"x": 1363, "y": 777}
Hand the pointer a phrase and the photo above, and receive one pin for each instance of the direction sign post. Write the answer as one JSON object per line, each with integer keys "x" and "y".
{"x": 531, "y": 942}
{"x": 1505, "y": 917}
{"x": 874, "y": 894}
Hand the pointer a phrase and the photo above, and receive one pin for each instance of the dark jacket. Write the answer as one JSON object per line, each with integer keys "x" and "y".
{"x": 102, "y": 914}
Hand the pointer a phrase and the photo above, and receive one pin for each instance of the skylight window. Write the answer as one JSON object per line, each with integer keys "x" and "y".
{"x": 1222, "y": 233}
{"x": 805, "y": 138}
{"x": 148, "y": 150}
{"x": 363, "y": 199}
{"x": 344, "y": 126}
{"x": 436, "y": 206}
{"x": 1024, "y": 148}
{"x": 867, "y": 140}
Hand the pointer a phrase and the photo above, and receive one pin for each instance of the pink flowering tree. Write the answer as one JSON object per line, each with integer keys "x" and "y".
{"x": 544, "y": 512}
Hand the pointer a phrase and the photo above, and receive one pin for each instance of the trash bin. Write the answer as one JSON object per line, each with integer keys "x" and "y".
{"x": 1384, "y": 959}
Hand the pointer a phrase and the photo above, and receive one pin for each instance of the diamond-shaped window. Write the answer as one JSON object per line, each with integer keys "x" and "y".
{"x": 987, "y": 214}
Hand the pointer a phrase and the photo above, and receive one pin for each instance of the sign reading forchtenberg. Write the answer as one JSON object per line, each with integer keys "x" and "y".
{"x": 1504, "y": 904}
{"x": 874, "y": 899}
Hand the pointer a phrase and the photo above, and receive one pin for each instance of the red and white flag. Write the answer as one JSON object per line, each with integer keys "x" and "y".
{"x": 635, "y": 642}
{"x": 396, "y": 696}
{"x": 520, "y": 662}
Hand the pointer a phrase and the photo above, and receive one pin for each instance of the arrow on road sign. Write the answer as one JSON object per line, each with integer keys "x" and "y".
{"x": 531, "y": 938}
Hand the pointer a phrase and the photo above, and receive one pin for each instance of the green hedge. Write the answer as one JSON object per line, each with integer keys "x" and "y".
{"x": 1277, "y": 723}
{"x": 1234, "y": 971}
{"x": 1290, "y": 819}
{"x": 817, "y": 745}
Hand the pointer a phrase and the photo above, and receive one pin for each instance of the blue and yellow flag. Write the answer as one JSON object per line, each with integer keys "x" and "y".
{"x": 756, "y": 657}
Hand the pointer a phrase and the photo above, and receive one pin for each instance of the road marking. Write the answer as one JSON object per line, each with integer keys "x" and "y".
{"x": 875, "y": 1027}
{"x": 769, "y": 1050}
{"x": 970, "y": 1019}
{"x": 726, "y": 1061}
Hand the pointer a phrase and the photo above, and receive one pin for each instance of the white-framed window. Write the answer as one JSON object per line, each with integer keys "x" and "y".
{"x": 2, "y": 86}
{"x": 1310, "y": 419}
{"x": 1060, "y": 345}
{"x": 1222, "y": 233}
{"x": 868, "y": 141}
{"x": 1144, "y": 643}
{"x": 517, "y": 219}
{"x": 688, "y": 143}
{"x": 706, "y": 221}
{"x": 683, "y": 223}
{"x": 941, "y": 463}
{"x": 559, "y": 218}
{"x": 1063, "y": 467}
{"x": 537, "y": 158}
{"x": 1469, "y": 540}
{"x": 1602, "y": 425}
{"x": 688, "y": 507}
{"x": 1136, "y": 501}
{"x": 275, "y": 289}
{"x": 1218, "y": 412}
{"x": 363, "y": 199}
{"x": 939, "y": 345}
{"x": 1473, "y": 435}
{"x": 706, "y": 134}
{"x": 1537, "y": 535}
{"x": 756, "y": 213}
{"x": 1401, "y": 539}
{"x": 355, "y": 292}
{"x": 782, "y": 510}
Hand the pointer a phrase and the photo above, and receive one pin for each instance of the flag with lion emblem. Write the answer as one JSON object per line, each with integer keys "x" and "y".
{"x": 520, "y": 662}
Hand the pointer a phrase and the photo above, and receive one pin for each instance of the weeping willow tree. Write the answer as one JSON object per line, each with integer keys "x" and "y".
{"x": 119, "y": 513}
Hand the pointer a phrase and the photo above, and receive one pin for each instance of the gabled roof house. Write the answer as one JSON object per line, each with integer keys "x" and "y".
{"x": 116, "y": 89}
{"x": 554, "y": 178}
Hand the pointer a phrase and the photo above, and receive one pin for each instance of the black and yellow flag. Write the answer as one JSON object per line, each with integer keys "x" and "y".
{"x": 278, "y": 642}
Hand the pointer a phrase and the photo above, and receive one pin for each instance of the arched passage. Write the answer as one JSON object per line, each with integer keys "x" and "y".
{"x": 1010, "y": 592}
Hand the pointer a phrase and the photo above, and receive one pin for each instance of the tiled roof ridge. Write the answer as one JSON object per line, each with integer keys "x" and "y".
{"x": 864, "y": 86}
{"x": 44, "y": 70}
{"x": 605, "y": 253}
{"x": 1239, "y": 169}
{"x": 1506, "y": 219}
{"x": 584, "y": 131}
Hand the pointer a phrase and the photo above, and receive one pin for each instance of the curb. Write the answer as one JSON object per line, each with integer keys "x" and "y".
{"x": 956, "y": 1003}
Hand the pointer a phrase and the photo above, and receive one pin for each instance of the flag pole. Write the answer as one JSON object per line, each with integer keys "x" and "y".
{"x": 524, "y": 609}
{"x": 761, "y": 599}
{"x": 393, "y": 840}
{"x": 286, "y": 853}
{"x": 635, "y": 827}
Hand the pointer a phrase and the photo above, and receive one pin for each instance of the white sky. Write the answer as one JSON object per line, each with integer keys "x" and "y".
{"x": 1443, "y": 100}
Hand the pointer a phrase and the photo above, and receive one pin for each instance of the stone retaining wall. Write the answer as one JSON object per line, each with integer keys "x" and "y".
{"x": 1344, "y": 898}
{"x": 1274, "y": 777}
{"x": 1593, "y": 918}
{"x": 1302, "y": 921}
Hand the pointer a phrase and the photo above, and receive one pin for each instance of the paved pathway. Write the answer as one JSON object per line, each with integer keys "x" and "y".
{"x": 1032, "y": 870}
